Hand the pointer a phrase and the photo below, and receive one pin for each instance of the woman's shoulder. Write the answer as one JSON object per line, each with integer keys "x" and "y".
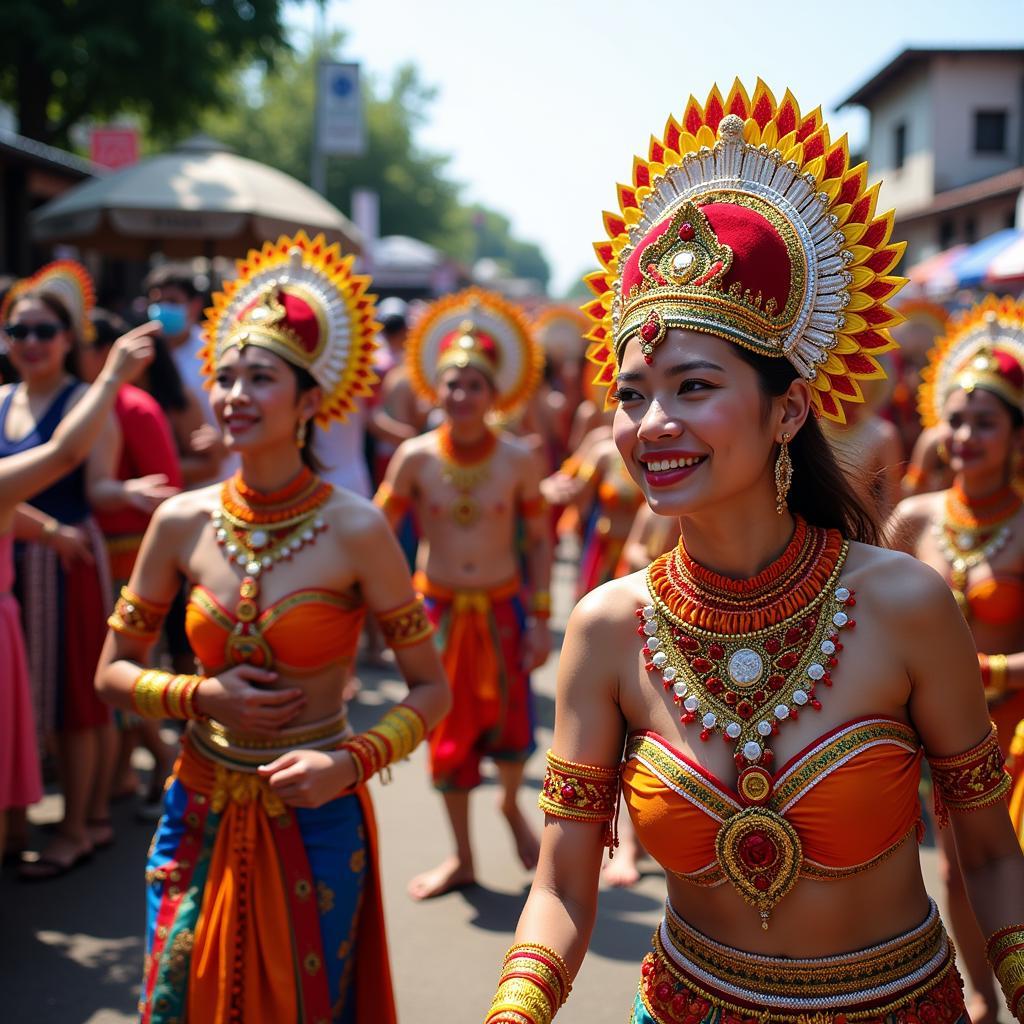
{"x": 895, "y": 585}
{"x": 612, "y": 607}
{"x": 352, "y": 515}
{"x": 188, "y": 508}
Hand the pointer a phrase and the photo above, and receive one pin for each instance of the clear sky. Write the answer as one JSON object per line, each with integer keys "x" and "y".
{"x": 542, "y": 103}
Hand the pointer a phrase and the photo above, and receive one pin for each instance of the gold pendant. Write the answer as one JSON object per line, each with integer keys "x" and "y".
{"x": 465, "y": 511}
{"x": 760, "y": 853}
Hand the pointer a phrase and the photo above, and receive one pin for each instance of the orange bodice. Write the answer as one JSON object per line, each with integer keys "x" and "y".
{"x": 851, "y": 796}
{"x": 998, "y": 601}
{"x": 304, "y": 631}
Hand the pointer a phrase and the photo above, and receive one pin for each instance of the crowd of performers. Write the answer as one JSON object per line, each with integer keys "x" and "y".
{"x": 768, "y": 647}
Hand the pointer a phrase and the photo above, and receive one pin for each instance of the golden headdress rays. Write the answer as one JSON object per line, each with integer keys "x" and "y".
{"x": 746, "y": 221}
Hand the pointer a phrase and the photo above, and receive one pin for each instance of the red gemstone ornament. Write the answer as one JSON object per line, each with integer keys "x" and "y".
{"x": 686, "y": 231}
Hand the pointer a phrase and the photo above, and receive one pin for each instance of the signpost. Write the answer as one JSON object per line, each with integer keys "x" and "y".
{"x": 114, "y": 147}
{"x": 339, "y": 129}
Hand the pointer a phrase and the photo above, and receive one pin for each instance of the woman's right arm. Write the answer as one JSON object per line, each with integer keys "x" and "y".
{"x": 25, "y": 474}
{"x": 589, "y": 730}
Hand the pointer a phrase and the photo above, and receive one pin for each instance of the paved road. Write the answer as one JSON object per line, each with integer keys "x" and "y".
{"x": 71, "y": 949}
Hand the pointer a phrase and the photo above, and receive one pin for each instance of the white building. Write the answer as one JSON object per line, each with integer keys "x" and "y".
{"x": 947, "y": 139}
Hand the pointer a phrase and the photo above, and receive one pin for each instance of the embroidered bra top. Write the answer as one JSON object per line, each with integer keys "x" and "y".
{"x": 304, "y": 631}
{"x": 830, "y": 793}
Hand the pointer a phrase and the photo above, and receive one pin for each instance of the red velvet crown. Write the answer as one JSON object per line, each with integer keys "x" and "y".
{"x": 469, "y": 346}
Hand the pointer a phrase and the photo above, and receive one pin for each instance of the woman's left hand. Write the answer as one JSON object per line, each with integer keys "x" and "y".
{"x": 309, "y": 778}
{"x": 72, "y": 546}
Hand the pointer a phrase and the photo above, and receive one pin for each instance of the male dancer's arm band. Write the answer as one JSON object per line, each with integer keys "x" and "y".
{"x": 390, "y": 503}
{"x": 392, "y": 739}
{"x": 969, "y": 781}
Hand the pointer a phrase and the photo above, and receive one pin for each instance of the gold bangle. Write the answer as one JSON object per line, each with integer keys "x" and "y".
{"x": 997, "y": 674}
{"x": 1005, "y": 951}
{"x": 148, "y": 693}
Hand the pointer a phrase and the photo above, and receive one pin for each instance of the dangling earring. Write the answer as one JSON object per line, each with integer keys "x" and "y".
{"x": 783, "y": 475}
{"x": 300, "y": 434}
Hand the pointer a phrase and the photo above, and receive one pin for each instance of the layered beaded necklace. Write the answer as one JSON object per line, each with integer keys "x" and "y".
{"x": 465, "y": 467}
{"x": 258, "y": 529}
{"x": 741, "y": 658}
{"x": 972, "y": 531}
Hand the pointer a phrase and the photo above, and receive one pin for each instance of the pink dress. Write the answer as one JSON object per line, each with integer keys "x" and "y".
{"x": 20, "y": 783}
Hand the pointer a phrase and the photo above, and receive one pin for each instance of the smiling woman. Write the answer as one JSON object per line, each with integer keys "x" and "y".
{"x": 743, "y": 293}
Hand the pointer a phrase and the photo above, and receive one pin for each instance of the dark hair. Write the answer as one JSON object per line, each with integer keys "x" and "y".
{"x": 821, "y": 492}
{"x": 56, "y": 306}
{"x": 163, "y": 381}
{"x": 393, "y": 324}
{"x": 1015, "y": 414}
{"x": 304, "y": 382}
{"x": 108, "y": 326}
{"x": 173, "y": 275}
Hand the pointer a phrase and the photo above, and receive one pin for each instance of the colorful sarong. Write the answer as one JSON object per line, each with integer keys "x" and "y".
{"x": 259, "y": 913}
{"x": 691, "y": 979}
{"x": 479, "y": 634}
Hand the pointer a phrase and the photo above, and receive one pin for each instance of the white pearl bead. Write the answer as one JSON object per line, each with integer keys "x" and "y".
{"x": 709, "y": 720}
{"x": 732, "y": 730}
{"x": 751, "y": 750}
{"x": 650, "y": 628}
{"x": 649, "y": 611}
{"x": 232, "y": 549}
{"x": 691, "y": 703}
{"x": 815, "y": 671}
{"x": 267, "y": 561}
{"x": 764, "y": 728}
{"x": 679, "y": 689}
{"x": 842, "y": 594}
{"x": 781, "y": 711}
{"x": 800, "y": 697}
{"x": 827, "y": 647}
{"x": 660, "y": 659}
{"x": 653, "y": 644}
{"x": 669, "y": 673}
{"x": 840, "y": 619}
{"x": 259, "y": 538}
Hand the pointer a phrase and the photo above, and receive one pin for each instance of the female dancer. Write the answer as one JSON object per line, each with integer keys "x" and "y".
{"x": 744, "y": 289}
{"x": 973, "y": 535}
{"x": 22, "y": 477}
{"x": 263, "y": 896}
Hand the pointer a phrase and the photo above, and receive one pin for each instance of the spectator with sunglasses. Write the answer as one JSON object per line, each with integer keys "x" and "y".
{"x": 63, "y": 601}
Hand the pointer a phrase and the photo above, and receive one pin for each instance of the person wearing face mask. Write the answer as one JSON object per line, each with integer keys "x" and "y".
{"x": 764, "y": 693}
{"x": 473, "y": 489}
{"x": 973, "y": 535}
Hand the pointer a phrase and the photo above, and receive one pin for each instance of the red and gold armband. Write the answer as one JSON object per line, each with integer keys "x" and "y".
{"x": 137, "y": 617}
{"x": 390, "y": 503}
{"x": 969, "y": 781}
{"x": 540, "y": 604}
{"x": 994, "y": 675}
{"x": 406, "y": 625}
{"x": 159, "y": 694}
{"x": 581, "y": 792}
{"x": 534, "y": 983}
{"x": 1006, "y": 955}
{"x": 393, "y": 738}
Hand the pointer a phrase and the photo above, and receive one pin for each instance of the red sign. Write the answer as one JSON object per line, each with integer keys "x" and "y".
{"x": 114, "y": 147}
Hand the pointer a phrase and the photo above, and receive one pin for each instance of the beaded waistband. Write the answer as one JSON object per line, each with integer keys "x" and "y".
{"x": 868, "y": 983}
{"x": 244, "y": 753}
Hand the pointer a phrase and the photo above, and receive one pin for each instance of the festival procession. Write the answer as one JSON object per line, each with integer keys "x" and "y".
{"x": 442, "y": 586}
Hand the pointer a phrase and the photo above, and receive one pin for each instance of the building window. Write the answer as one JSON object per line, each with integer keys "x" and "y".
{"x": 899, "y": 140}
{"x": 946, "y": 230}
{"x": 990, "y": 131}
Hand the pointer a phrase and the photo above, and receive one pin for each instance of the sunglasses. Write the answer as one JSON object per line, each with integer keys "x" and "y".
{"x": 44, "y": 332}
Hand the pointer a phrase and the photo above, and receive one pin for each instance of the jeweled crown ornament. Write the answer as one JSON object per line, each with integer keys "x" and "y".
{"x": 67, "y": 281}
{"x": 746, "y": 221}
{"x": 984, "y": 348}
{"x": 299, "y": 298}
{"x": 477, "y": 328}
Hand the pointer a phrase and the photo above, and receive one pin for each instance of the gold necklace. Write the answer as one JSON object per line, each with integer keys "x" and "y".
{"x": 465, "y": 468}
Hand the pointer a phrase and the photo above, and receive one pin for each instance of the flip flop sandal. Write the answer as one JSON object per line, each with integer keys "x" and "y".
{"x": 50, "y": 868}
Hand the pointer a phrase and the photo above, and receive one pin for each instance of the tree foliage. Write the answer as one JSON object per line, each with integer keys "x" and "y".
{"x": 272, "y": 121}
{"x": 62, "y": 61}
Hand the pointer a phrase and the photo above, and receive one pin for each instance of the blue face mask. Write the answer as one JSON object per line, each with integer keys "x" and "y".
{"x": 173, "y": 317}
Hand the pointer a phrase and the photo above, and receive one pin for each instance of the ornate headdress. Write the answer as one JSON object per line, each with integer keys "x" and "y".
{"x": 67, "y": 281}
{"x": 299, "y": 298}
{"x": 984, "y": 348}
{"x": 560, "y": 331}
{"x": 480, "y": 329}
{"x": 746, "y": 221}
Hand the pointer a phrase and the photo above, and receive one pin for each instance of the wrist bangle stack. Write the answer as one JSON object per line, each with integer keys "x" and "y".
{"x": 1005, "y": 951}
{"x": 534, "y": 983}
{"x": 393, "y": 738}
{"x": 540, "y": 604}
{"x": 159, "y": 694}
